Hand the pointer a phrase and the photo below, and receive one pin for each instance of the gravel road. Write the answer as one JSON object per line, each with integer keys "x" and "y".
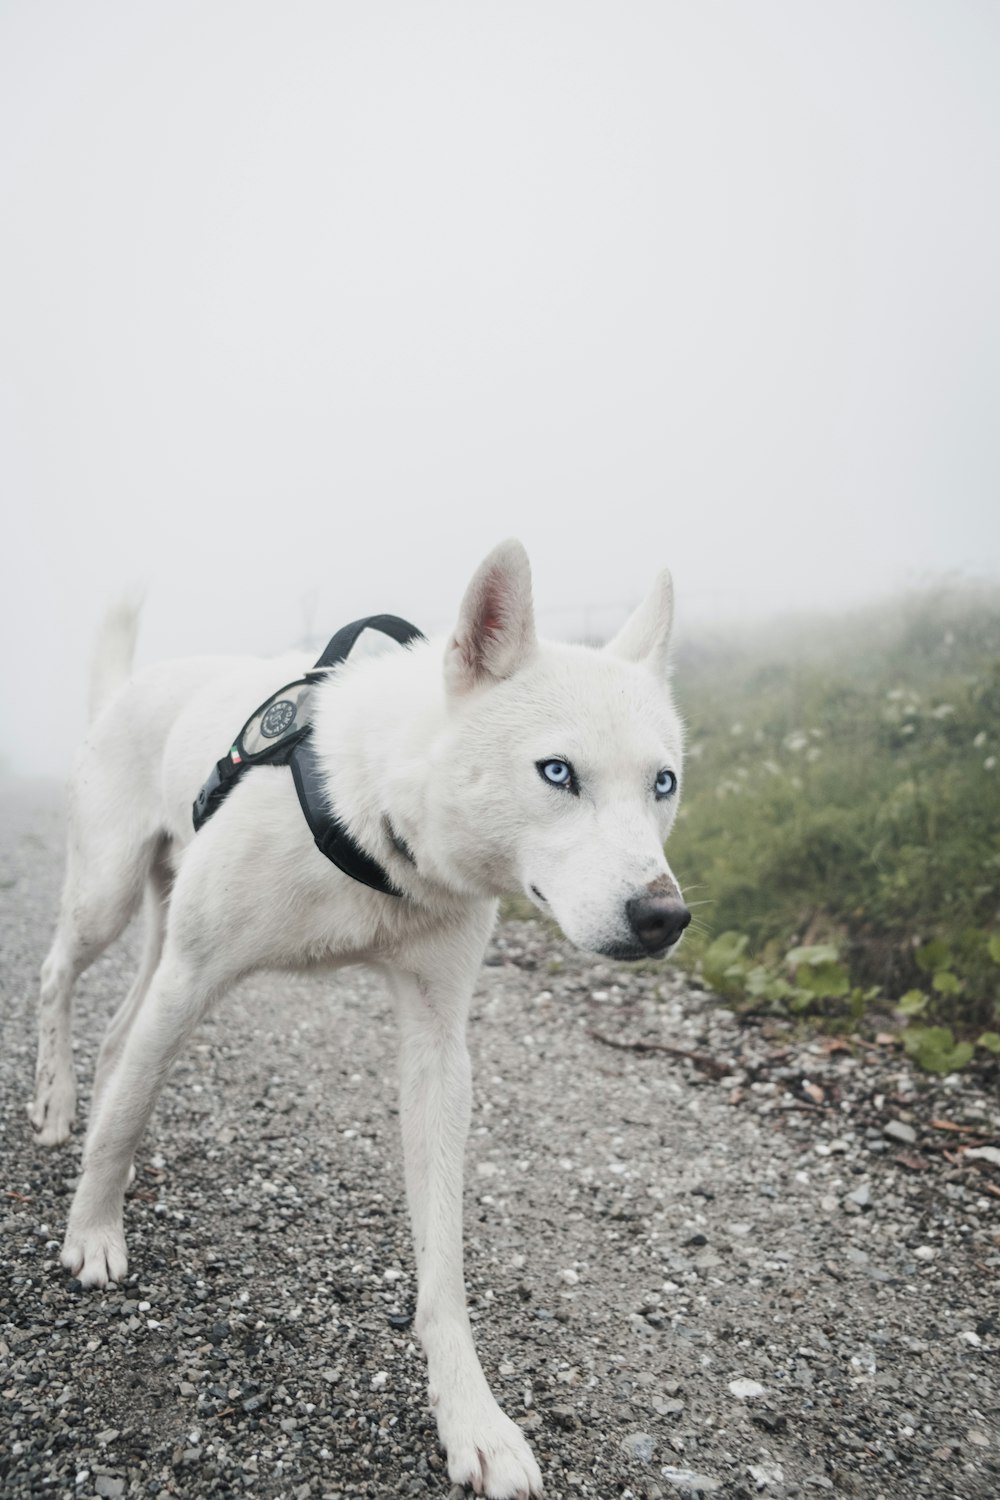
{"x": 757, "y": 1270}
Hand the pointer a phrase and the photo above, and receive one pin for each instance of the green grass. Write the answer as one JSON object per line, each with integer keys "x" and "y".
{"x": 841, "y": 788}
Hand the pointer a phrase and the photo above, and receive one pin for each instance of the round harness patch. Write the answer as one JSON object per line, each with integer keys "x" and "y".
{"x": 277, "y": 719}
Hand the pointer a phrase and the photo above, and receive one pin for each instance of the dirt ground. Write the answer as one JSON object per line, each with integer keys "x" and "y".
{"x": 704, "y": 1256}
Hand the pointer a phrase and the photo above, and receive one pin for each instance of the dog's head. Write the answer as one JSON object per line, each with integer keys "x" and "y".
{"x": 561, "y": 771}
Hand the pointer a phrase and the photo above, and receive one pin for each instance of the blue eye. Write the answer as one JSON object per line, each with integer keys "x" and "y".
{"x": 666, "y": 784}
{"x": 557, "y": 773}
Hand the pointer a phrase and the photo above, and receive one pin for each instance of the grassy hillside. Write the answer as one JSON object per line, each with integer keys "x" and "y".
{"x": 843, "y": 796}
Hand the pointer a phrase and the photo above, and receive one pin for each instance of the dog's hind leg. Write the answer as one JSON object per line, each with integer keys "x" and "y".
{"x": 103, "y": 883}
{"x": 155, "y": 899}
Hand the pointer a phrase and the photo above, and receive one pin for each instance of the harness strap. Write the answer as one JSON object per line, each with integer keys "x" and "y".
{"x": 279, "y": 733}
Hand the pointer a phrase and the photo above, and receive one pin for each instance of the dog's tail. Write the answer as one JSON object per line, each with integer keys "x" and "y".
{"x": 113, "y": 652}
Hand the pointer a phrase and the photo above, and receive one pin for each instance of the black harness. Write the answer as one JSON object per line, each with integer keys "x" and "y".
{"x": 279, "y": 733}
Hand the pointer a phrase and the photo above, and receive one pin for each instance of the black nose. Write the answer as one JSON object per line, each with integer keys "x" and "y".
{"x": 657, "y": 921}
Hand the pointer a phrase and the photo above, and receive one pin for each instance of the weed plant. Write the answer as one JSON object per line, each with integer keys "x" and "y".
{"x": 841, "y": 813}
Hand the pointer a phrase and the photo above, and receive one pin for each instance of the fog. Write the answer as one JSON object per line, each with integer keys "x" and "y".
{"x": 303, "y": 307}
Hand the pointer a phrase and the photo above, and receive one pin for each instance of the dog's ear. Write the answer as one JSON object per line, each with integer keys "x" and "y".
{"x": 645, "y": 636}
{"x": 495, "y": 633}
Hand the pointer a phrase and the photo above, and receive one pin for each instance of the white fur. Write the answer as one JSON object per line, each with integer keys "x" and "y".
{"x": 443, "y": 740}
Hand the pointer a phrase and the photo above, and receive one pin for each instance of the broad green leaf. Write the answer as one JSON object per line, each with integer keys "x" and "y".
{"x": 814, "y": 953}
{"x": 826, "y": 981}
{"x": 935, "y": 1048}
{"x": 990, "y": 1040}
{"x": 726, "y": 949}
{"x": 993, "y": 949}
{"x": 758, "y": 981}
{"x": 946, "y": 983}
{"x": 948, "y": 1062}
{"x": 912, "y": 1003}
{"x": 933, "y": 956}
{"x": 918, "y": 1038}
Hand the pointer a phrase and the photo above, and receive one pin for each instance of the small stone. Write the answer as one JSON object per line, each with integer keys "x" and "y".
{"x": 896, "y": 1130}
{"x": 690, "y": 1483}
{"x": 570, "y": 1276}
{"x": 107, "y": 1436}
{"x": 767, "y": 1477}
{"x": 983, "y": 1153}
{"x": 861, "y": 1197}
{"x": 638, "y": 1445}
{"x": 924, "y": 1252}
{"x": 564, "y": 1417}
{"x": 746, "y": 1390}
{"x": 969, "y": 1337}
{"x": 108, "y": 1486}
{"x": 974, "y": 1435}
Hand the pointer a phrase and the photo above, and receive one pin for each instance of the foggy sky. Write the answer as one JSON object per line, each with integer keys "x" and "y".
{"x": 305, "y": 306}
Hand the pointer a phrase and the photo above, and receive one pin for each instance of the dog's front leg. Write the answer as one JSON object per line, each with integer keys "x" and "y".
{"x": 485, "y": 1448}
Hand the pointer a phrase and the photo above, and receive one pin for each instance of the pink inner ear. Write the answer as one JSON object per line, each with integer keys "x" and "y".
{"x": 491, "y": 611}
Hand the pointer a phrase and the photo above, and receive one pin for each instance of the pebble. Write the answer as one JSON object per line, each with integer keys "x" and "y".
{"x": 767, "y": 1477}
{"x": 898, "y": 1130}
{"x": 690, "y": 1483}
{"x": 746, "y": 1390}
{"x": 984, "y": 1153}
{"x": 639, "y": 1445}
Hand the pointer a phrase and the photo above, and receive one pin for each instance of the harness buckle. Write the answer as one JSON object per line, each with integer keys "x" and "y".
{"x": 211, "y": 795}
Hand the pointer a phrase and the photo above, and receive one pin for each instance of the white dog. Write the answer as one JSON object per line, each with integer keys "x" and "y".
{"x": 484, "y": 764}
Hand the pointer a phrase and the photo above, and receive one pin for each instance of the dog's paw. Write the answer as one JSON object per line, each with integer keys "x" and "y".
{"x": 51, "y": 1113}
{"x": 95, "y": 1256}
{"x": 488, "y": 1452}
